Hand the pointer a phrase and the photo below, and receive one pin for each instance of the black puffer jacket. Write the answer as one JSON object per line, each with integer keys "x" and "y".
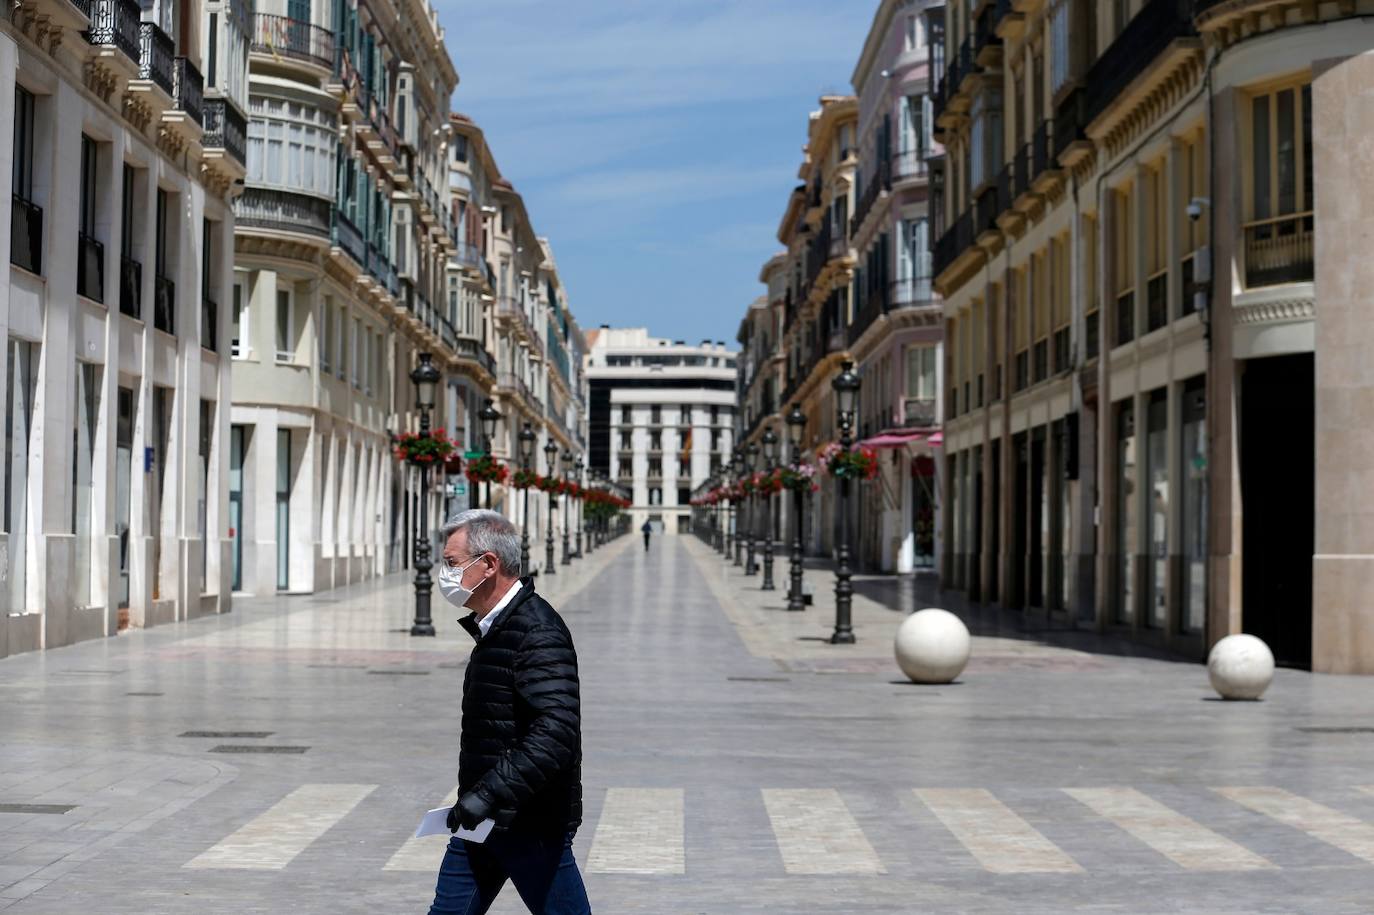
{"x": 521, "y": 748}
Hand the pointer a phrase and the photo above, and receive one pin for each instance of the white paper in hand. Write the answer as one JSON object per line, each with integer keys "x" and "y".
{"x": 435, "y": 823}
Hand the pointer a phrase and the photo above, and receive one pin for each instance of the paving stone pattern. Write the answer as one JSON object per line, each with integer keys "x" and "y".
{"x": 735, "y": 762}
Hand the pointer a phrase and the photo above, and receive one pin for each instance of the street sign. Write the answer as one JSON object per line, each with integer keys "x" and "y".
{"x": 473, "y": 455}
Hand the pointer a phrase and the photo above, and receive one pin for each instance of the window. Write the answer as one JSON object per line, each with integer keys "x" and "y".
{"x": 164, "y": 290}
{"x": 341, "y": 342}
{"x": 624, "y": 441}
{"x": 1126, "y": 534}
{"x": 915, "y": 37}
{"x": 207, "y": 431}
{"x": 356, "y": 343}
{"x": 19, "y": 403}
{"x": 1123, "y": 251}
{"x": 686, "y": 415}
{"x": 684, "y": 468}
{"x": 291, "y": 146}
{"x": 460, "y": 148}
{"x": 286, "y": 348}
{"x": 920, "y": 373}
{"x": 1278, "y": 237}
{"x": 715, "y": 415}
{"x": 326, "y": 334}
{"x": 655, "y": 441}
{"x": 23, "y": 144}
{"x": 655, "y": 468}
{"x": 283, "y": 509}
{"x": 90, "y": 253}
{"x": 1193, "y": 507}
{"x": 655, "y": 414}
{"x": 209, "y": 308}
{"x": 239, "y": 347}
{"x": 655, "y": 496}
{"x": 684, "y": 495}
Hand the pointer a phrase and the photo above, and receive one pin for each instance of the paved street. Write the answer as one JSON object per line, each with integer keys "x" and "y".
{"x": 734, "y": 763}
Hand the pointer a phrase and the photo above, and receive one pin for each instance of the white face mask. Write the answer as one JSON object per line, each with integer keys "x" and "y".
{"x": 451, "y": 583}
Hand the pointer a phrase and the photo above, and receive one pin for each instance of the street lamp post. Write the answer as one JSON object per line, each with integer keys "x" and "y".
{"x": 527, "y": 438}
{"x": 770, "y": 456}
{"x": 488, "y": 416}
{"x": 581, "y": 505}
{"x": 751, "y": 460}
{"x": 426, "y": 378}
{"x": 551, "y": 457}
{"x": 846, "y": 387}
{"x": 737, "y": 462}
{"x": 796, "y": 422}
{"x": 566, "y": 468}
{"x": 595, "y": 476}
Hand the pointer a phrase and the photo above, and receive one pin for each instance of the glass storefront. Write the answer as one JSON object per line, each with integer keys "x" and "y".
{"x": 1193, "y": 496}
{"x": 1157, "y": 448}
{"x": 1126, "y": 526}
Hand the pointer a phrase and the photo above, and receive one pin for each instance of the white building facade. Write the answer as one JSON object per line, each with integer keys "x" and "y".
{"x": 120, "y": 158}
{"x": 661, "y": 418}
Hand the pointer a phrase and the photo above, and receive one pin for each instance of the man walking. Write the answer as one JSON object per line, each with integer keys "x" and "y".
{"x": 520, "y": 756}
{"x": 648, "y": 529}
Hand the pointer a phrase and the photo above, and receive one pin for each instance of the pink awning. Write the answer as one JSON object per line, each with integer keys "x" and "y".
{"x": 937, "y": 439}
{"x": 892, "y": 439}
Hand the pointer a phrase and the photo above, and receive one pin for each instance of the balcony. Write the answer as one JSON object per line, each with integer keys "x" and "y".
{"x": 911, "y": 292}
{"x": 188, "y": 90}
{"x": 470, "y": 256}
{"x": 1125, "y": 317}
{"x": 990, "y": 204}
{"x": 1157, "y": 301}
{"x": 131, "y": 287}
{"x": 209, "y": 324}
{"x": 957, "y": 239}
{"x": 1279, "y": 250}
{"x": 90, "y": 268}
{"x": 818, "y": 252}
{"x": 345, "y": 235}
{"x": 1042, "y": 163}
{"x": 918, "y": 411}
{"x": 1145, "y": 37}
{"x": 282, "y": 211}
{"x": 225, "y": 129}
{"x": 26, "y": 235}
{"x": 515, "y": 384}
{"x": 156, "y": 57}
{"x": 115, "y": 24}
{"x": 511, "y": 310}
{"x": 878, "y": 182}
{"x": 987, "y": 45}
{"x": 292, "y": 39}
{"x": 910, "y": 166}
{"x": 1040, "y": 360}
{"x": 164, "y": 304}
{"x": 473, "y": 350}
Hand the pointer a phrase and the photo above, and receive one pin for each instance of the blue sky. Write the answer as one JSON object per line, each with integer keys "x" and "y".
{"x": 654, "y": 141}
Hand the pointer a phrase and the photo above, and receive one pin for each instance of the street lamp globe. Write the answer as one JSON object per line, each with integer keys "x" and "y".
{"x": 488, "y": 416}
{"x": 737, "y": 462}
{"x": 770, "y": 447}
{"x": 751, "y": 456}
{"x": 846, "y": 385}
{"x": 527, "y": 438}
{"x": 567, "y": 465}
{"x": 796, "y": 422}
{"x": 551, "y": 455}
{"x": 426, "y": 377}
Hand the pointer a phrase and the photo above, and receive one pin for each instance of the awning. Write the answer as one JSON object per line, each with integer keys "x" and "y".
{"x": 937, "y": 439}
{"x": 895, "y": 439}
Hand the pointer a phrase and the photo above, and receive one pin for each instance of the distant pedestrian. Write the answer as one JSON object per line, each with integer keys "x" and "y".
{"x": 520, "y": 753}
{"x": 648, "y": 529}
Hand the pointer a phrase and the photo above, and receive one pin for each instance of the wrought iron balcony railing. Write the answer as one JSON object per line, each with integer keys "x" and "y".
{"x": 1279, "y": 250}
{"x": 188, "y": 90}
{"x": 284, "y": 37}
{"x": 116, "y": 22}
{"x": 225, "y": 128}
{"x": 156, "y": 56}
{"x": 26, "y": 235}
{"x": 282, "y": 211}
{"x": 90, "y": 267}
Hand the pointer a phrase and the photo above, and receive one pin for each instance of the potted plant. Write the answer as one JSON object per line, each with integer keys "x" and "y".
{"x": 486, "y": 469}
{"x": 434, "y": 448}
{"x": 857, "y": 463}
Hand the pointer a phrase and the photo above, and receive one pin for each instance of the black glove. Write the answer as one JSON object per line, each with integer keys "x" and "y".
{"x": 467, "y": 813}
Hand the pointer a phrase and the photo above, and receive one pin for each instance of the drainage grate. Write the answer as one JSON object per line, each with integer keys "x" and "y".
{"x": 760, "y": 679}
{"x": 402, "y": 673}
{"x": 227, "y": 734}
{"x": 143, "y": 694}
{"x": 1338, "y": 730}
{"x": 36, "y": 808}
{"x": 255, "y": 748}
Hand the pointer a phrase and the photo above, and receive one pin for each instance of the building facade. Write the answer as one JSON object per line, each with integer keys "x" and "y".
{"x": 1143, "y": 258}
{"x": 121, "y": 137}
{"x": 895, "y": 334}
{"x": 661, "y": 418}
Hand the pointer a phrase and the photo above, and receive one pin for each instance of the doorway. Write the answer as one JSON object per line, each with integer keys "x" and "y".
{"x": 124, "y": 480}
{"x": 1277, "y": 498}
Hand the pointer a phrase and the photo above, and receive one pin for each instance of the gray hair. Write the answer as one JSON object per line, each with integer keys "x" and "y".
{"x": 488, "y": 532}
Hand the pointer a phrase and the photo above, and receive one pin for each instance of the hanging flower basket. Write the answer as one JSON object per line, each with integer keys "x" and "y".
{"x": 524, "y": 479}
{"x": 434, "y": 448}
{"x": 768, "y": 482}
{"x": 799, "y": 478}
{"x": 486, "y": 469}
{"x": 550, "y": 484}
{"x": 858, "y": 463}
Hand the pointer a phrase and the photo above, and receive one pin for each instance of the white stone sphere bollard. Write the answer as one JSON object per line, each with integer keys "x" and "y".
{"x": 1240, "y": 667}
{"x": 932, "y": 646}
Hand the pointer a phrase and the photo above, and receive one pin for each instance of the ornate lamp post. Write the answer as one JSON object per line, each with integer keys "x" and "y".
{"x": 426, "y": 378}
{"x": 594, "y": 477}
{"x": 770, "y": 461}
{"x": 737, "y": 462}
{"x": 846, "y": 386}
{"x": 527, "y": 438}
{"x": 551, "y": 457}
{"x": 796, "y": 422}
{"x": 488, "y": 416}
{"x": 581, "y": 506}
{"x": 566, "y": 468}
{"x": 718, "y": 517}
{"x": 751, "y": 460}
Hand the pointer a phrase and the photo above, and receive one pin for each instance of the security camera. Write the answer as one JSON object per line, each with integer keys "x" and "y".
{"x": 1195, "y": 207}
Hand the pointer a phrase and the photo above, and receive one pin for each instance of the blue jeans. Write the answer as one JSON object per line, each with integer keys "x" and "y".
{"x": 542, "y": 869}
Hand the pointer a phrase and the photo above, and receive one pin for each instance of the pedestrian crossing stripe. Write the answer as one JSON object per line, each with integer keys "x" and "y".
{"x": 642, "y": 831}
